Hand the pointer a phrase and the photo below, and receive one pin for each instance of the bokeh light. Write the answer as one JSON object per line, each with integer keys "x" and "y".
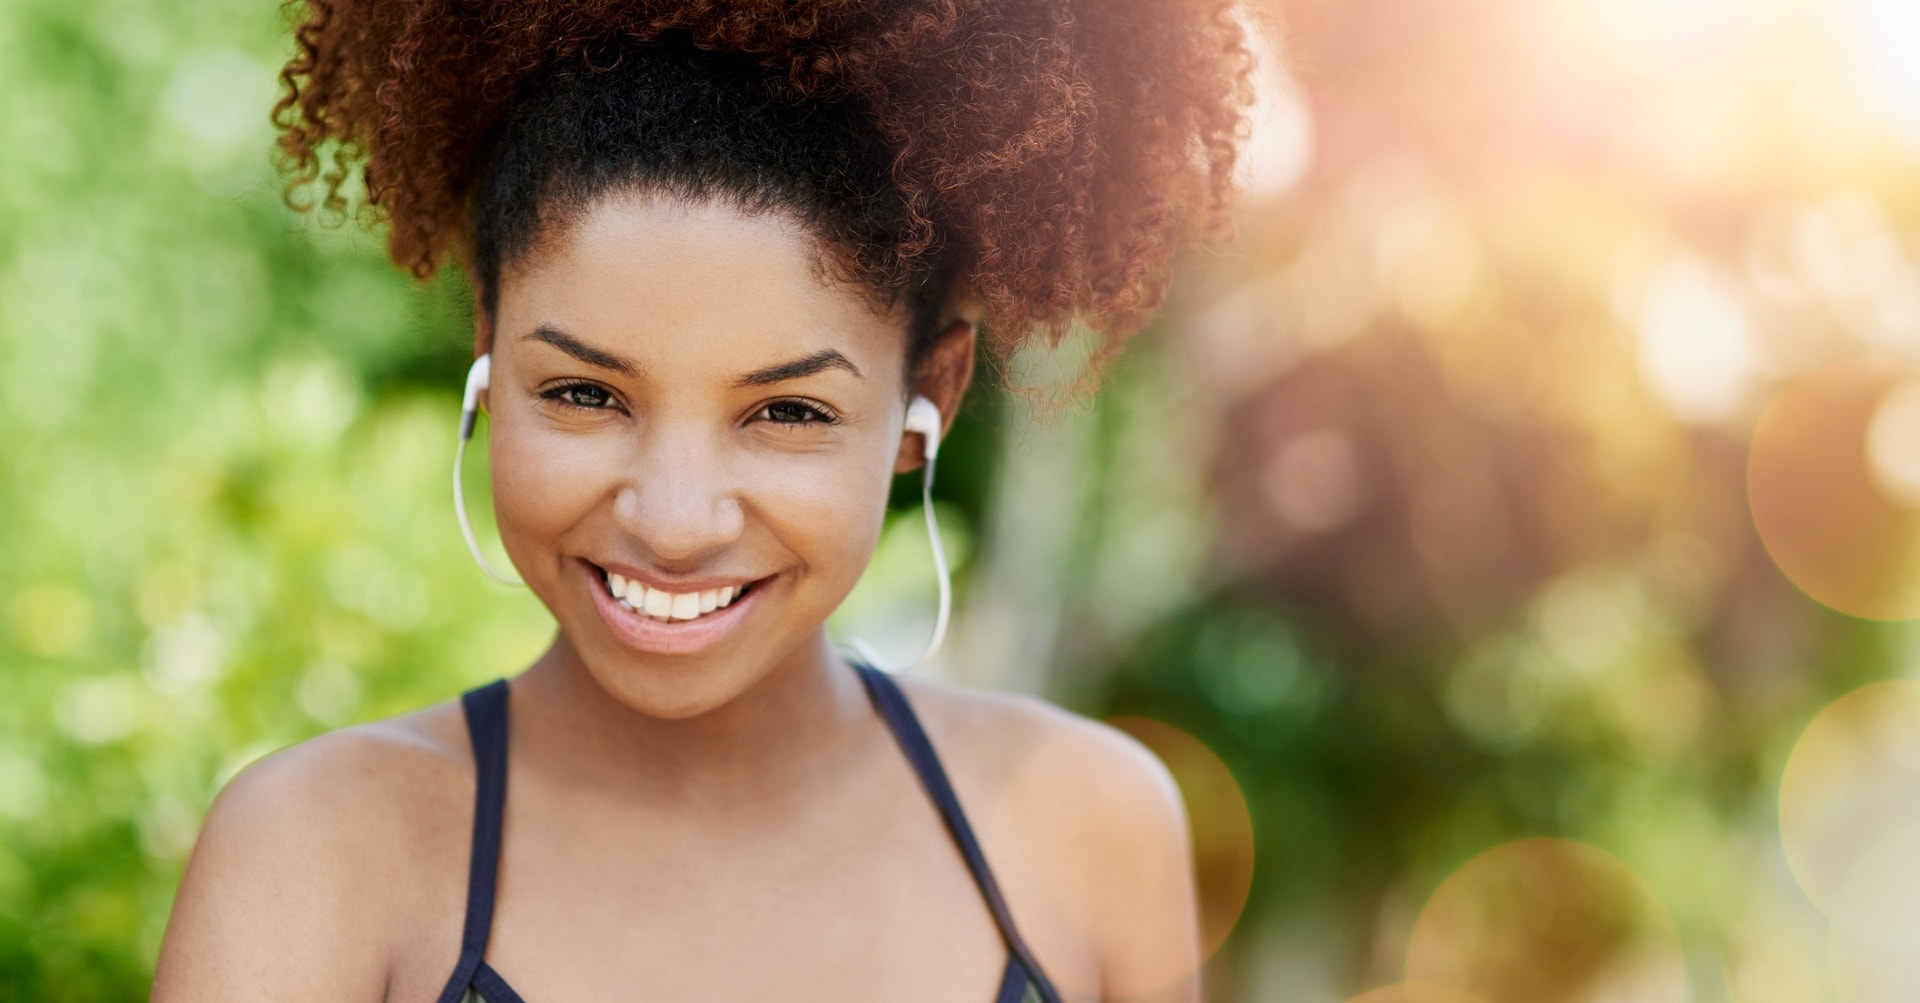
{"x": 1873, "y": 970}
{"x": 1542, "y": 920}
{"x": 1893, "y": 445}
{"x": 1695, "y": 348}
{"x": 1885, "y": 30}
{"x": 1776, "y": 952}
{"x": 1817, "y": 502}
{"x": 1850, "y": 813}
{"x": 1217, "y": 817}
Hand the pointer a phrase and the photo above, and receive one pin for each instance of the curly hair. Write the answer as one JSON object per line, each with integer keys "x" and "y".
{"x": 1048, "y": 156}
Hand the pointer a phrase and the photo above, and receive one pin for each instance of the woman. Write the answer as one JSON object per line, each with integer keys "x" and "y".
{"x": 717, "y": 249}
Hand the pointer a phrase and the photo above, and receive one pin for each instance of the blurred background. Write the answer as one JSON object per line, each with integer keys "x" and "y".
{"x": 1511, "y": 542}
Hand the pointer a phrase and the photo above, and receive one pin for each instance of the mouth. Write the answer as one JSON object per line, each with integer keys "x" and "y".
{"x": 670, "y": 607}
{"x": 663, "y": 622}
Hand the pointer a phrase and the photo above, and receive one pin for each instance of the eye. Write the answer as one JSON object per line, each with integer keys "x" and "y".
{"x": 586, "y": 396}
{"x": 798, "y": 412}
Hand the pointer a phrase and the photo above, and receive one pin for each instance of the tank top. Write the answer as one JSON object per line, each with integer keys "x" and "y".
{"x": 475, "y": 981}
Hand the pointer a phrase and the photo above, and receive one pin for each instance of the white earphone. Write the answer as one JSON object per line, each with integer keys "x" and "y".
{"x": 923, "y": 417}
{"x": 479, "y": 376}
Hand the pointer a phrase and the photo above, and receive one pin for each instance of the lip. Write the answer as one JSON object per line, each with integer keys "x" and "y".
{"x": 667, "y": 637}
{"x": 677, "y": 586}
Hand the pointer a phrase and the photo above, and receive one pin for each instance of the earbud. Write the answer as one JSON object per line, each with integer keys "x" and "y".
{"x": 923, "y": 417}
{"x": 479, "y": 375}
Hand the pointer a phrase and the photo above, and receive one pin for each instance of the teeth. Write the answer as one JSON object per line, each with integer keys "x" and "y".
{"x": 662, "y": 605}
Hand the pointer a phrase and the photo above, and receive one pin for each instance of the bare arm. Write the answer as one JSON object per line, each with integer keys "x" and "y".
{"x": 1146, "y": 915}
{"x": 1112, "y": 833}
{"x": 275, "y": 904}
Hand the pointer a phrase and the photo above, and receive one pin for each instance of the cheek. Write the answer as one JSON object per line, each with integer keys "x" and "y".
{"x": 828, "y": 510}
{"x": 542, "y": 483}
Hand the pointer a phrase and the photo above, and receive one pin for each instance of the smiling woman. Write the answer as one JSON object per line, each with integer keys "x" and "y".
{"x": 716, "y": 248}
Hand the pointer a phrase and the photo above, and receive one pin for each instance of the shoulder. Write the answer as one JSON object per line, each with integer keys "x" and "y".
{"x": 1085, "y": 826}
{"x": 350, "y": 792}
{"x": 1068, "y": 769}
{"x": 313, "y": 859}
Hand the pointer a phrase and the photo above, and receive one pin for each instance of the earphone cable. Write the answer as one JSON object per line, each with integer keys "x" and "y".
{"x": 940, "y": 569}
{"x": 866, "y": 651}
{"x": 460, "y": 504}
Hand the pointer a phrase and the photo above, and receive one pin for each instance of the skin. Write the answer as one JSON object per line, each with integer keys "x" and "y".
{"x": 728, "y": 824}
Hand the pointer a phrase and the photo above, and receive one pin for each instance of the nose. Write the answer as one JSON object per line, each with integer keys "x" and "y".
{"x": 679, "y": 499}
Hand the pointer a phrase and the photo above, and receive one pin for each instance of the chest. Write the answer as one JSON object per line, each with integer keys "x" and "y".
{"x": 852, "y": 901}
{"x": 881, "y": 911}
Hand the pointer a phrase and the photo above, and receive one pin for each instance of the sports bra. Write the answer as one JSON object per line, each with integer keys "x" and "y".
{"x": 475, "y": 981}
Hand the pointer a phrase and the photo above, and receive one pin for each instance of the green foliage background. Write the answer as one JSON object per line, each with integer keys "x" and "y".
{"x": 224, "y": 441}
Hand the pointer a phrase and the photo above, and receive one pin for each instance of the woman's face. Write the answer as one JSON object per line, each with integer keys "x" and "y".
{"x": 681, "y": 399}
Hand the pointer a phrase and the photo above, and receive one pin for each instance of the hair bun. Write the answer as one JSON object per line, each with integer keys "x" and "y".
{"x": 1064, "y": 150}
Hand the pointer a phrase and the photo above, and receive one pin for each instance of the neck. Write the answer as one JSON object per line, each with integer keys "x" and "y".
{"x": 762, "y": 747}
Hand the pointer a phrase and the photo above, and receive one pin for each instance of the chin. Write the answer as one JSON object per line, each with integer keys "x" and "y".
{"x": 673, "y": 691}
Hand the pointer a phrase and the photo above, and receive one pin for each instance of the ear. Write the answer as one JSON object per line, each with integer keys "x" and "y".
{"x": 943, "y": 379}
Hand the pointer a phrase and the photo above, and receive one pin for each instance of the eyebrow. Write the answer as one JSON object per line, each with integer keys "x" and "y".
{"x": 820, "y": 361}
{"x": 581, "y": 350}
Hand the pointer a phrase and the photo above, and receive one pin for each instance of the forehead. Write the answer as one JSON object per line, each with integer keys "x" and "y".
{"x": 692, "y": 285}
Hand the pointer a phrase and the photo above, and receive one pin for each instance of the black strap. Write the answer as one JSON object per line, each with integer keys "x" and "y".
{"x": 893, "y": 706}
{"x": 1013, "y": 983}
{"x": 486, "y": 710}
